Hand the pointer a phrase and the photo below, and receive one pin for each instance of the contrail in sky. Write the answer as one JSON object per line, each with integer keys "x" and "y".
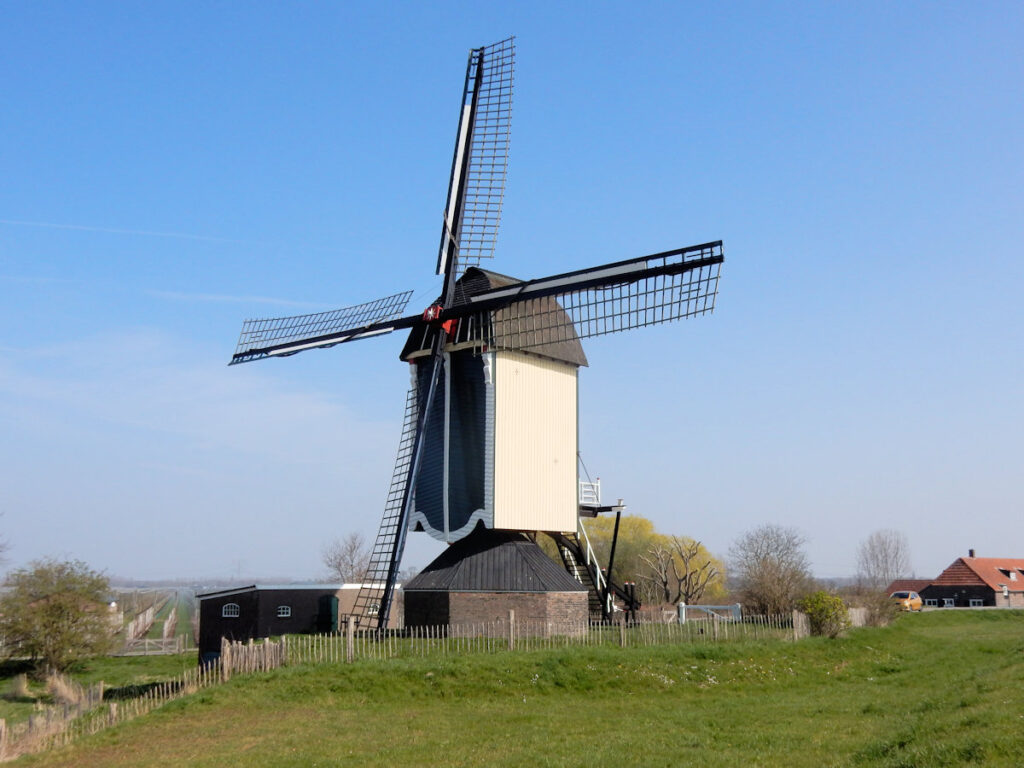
{"x": 143, "y": 232}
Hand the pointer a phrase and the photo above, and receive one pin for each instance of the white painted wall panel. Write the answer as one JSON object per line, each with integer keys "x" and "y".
{"x": 534, "y": 443}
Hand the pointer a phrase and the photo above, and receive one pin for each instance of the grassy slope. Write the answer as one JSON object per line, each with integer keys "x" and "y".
{"x": 939, "y": 689}
{"x": 113, "y": 671}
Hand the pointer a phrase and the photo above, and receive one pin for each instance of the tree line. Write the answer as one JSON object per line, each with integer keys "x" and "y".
{"x": 766, "y": 569}
{"x": 55, "y": 612}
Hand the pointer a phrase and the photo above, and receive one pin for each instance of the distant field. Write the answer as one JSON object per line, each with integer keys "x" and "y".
{"x": 937, "y": 689}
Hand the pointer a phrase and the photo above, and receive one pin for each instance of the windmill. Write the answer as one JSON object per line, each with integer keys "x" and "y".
{"x": 489, "y": 437}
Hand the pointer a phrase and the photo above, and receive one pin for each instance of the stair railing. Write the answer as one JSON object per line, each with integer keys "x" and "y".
{"x": 600, "y": 581}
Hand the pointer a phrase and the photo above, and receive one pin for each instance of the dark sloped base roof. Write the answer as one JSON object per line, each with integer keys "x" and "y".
{"x": 494, "y": 561}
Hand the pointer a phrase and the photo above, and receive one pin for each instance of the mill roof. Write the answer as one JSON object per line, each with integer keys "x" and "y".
{"x": 554, "y": 340}
{"x": 494, "y": 561}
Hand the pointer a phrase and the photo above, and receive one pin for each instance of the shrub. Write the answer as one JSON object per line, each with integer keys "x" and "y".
{"x": 55, "y": 613}
{"x": 64, "y": 690}
{"x": 826, "y": 613}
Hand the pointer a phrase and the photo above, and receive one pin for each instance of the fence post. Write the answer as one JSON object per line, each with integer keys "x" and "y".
{"x": 511, "y": 629}
{"x": 113, "y": 712}
{"x": 622, "y": 633}
{"x": 3, "y": 738}
{"x": 225, "y": 660}
{"x": 350, "y": 639}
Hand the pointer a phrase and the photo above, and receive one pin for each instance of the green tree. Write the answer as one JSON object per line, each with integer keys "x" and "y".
{"x": 665, "y": 568}
{"x": 55, "y": 612}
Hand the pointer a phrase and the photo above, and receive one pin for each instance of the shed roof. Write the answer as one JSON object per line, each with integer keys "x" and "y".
{"x": 329, "y": 587}
{"x": 494, "y": 561}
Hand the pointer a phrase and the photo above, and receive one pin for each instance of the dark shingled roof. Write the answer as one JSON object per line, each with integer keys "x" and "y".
{"x": 556, "y": 340}
{"x": 494, "y": 561}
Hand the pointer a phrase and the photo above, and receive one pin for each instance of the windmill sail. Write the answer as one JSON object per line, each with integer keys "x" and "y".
{"x": 476, "y": 187}
{"x": 551, "y": 311}
{"x": 283, "y": 336}
{"x": 618, "y": 297}
{"x": 374, "y": 587}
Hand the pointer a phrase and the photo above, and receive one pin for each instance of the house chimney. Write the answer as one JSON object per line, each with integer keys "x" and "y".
{"x": 970, "y": 553}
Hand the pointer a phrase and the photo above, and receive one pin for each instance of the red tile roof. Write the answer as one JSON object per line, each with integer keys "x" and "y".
{"x": 907, "y": 585}
{"x": 992, "y": 572}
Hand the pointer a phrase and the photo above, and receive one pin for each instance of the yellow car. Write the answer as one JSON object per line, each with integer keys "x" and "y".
{"x": 908, "y": 601}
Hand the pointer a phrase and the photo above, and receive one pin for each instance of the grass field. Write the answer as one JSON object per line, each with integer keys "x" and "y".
{"x": 116, "y": 672}
{"x": 937, "y": 689}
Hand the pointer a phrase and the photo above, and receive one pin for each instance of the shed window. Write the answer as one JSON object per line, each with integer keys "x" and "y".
{"x": 931, "y": 601}
{"x": 230, "y": 611}
{"x": 977, "y": 602}
{"x": 948, "y": 602}
{"x": 284, "y": 611}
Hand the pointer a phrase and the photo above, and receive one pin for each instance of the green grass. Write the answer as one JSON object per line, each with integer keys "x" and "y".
{"x": 938, "y": 689}
{"x": 126, "y": 672}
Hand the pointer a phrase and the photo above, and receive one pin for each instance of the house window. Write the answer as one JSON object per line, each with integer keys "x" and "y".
{"x": 230, "y": 611}
{"x": 931, "y": 601}
{"x": 284, "y": 611}
{"x": 977, "y": 602}
{"x": 948, "y": 602}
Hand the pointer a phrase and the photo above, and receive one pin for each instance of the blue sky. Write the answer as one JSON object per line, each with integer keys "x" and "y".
{"x": 170, "y": 169}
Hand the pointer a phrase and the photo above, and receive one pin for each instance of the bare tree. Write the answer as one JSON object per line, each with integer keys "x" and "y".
{"x": 347, "y": 558}
{"x": 659, "y": 579}
{"x": 697, "y": 569}
{"x": 677, "y": 568}
{"x": 770, "y": 569}
{"x": 882, "y": 557}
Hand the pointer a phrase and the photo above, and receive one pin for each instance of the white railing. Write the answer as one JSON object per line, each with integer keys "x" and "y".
{"x": 600, "y": 582}
{"x": 590, "y": 493}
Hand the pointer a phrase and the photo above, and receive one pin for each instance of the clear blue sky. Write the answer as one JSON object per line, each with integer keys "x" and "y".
{"x": 170, "y": 169}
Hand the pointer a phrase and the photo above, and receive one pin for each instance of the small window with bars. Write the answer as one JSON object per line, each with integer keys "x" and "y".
{"x": 230, "y": 611}
{"x": 284, "y": 611}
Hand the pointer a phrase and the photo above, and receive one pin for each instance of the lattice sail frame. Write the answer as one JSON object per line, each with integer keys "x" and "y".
{"x": 372, "y": 588}
{"x": 490, "y": 138}
{"x": 682, "y": 284}
{"x": 261, "y": 333}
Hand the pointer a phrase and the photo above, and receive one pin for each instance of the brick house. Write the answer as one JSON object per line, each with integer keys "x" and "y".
{"x": 974, "y": 582}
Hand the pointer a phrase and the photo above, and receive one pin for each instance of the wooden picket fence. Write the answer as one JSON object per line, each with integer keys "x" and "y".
{"x": 59, "y": 725}
{"x": 528, "y": 635}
